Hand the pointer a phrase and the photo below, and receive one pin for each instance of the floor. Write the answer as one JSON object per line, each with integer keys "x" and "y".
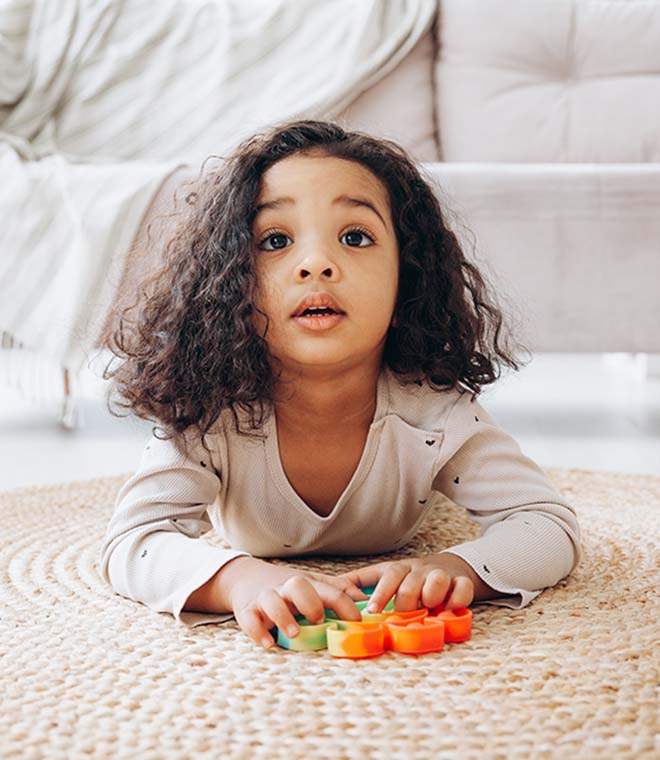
{"x": 588, "y": 411}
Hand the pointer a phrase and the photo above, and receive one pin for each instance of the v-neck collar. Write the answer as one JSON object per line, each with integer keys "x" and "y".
{"x": 370, "y": 447}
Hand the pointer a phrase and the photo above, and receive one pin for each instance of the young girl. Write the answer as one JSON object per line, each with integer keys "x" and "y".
{"x": 315, "y": 280}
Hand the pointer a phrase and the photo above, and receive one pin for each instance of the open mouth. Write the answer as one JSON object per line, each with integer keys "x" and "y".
{"x": 317, "y": 311}
{"x": 319, "y": 318}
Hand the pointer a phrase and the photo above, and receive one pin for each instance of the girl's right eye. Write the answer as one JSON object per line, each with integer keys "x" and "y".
{"x": 270, "y": 237}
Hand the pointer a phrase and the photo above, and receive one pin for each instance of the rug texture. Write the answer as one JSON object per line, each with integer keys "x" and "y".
{"x": 86, "y": 673}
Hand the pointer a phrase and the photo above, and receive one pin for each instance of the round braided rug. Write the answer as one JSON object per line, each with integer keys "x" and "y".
{"x": 86, "y": 673}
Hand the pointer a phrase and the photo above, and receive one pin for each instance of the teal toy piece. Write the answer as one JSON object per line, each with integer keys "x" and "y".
{"x": 310, "y": 637}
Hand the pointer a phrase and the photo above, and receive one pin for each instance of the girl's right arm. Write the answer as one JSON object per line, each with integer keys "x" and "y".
{"x": 152, "y": 552}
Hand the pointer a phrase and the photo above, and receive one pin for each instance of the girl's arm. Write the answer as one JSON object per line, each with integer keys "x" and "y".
{"x": 530, "y": 536}
{"x": 153, "y": 551}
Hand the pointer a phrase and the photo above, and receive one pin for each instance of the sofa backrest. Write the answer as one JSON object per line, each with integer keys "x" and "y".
{"x": 401, "y": 105}
{"x": 548, "y": 80}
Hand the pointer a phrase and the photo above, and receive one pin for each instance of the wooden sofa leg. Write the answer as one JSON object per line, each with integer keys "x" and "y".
{"x": 69, "y": 417}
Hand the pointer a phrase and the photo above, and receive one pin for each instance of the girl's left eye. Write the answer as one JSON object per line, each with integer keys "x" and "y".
{"x": 359, "y": 231}
{"x": 353, "y": 231}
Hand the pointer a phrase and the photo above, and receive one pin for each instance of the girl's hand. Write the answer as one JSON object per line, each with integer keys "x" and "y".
{"x": 432, "y": 580}
{"x": 262, "y": 595}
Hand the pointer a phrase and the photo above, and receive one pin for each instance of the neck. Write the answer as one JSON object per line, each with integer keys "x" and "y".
{"x": 324, "y": 403}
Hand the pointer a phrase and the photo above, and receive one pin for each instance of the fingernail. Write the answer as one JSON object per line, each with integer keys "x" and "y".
{"x": 266, "y": 642}
{"x": 372, "y": 607}
{"x": 292, "y": 630}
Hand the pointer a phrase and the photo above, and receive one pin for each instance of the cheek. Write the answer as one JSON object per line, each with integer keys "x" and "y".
{"x": 381, "y": 296}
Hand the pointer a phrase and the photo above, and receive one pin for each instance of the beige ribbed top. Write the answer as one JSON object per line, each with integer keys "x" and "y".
{"x": 420, "y": 440}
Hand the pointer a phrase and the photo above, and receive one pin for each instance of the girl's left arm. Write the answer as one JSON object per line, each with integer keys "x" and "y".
{"x": 530, "y": 536}
{"x": 529, "y": 539}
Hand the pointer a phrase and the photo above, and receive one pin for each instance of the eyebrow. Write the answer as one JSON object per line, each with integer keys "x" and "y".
{"x": 343, "y": 200}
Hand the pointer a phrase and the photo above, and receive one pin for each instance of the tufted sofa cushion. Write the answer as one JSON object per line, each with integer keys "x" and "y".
{"x": 549, "y": 80}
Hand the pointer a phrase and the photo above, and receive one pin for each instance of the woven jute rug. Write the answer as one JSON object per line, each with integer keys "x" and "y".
{"x": 87, "y": 673}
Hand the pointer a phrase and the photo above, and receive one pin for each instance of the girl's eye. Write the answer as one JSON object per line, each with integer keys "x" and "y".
{"x": 360, "y": 233}
{"x": 273, "y": 236}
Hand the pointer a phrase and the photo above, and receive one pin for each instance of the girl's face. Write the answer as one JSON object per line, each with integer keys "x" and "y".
{"x": 315, "y": 232}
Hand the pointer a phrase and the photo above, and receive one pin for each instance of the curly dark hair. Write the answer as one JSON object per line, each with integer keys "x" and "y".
{"x": 193, "y": 350}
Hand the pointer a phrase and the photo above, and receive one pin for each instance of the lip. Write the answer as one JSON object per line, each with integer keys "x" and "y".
{"x": 317, "y": 324}
{"x": 318, "y": 299}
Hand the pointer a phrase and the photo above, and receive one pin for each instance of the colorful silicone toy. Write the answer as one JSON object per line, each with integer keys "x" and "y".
{"x": 413, "y": 632}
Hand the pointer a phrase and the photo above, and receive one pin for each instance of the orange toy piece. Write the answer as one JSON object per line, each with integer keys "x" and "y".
{"x": 417, "y": 636}
{"x": 402, "y": 618}
{"x": 458, "y": 622}
{"x": 347, "y": 638}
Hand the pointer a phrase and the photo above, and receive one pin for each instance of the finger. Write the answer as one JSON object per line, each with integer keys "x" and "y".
{"x": 366, "y": 576}
{"x": 436, "y": 587}
{"x": 313, "y": 601}
{"x": 386, "y": 587}
{"x": 462, "y": 594}
{"x": 277, "y": 610}
{"x": 255, "y": 626}
{"x": 410, "y": 590}
{"x": 337, "y": 600}
{"x": 345, "y": 584}
{"x": 341, "y": 604}
{"x": 301, "y": 592}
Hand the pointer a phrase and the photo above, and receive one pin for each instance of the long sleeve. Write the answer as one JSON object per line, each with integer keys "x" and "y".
{"x": 153, "y": 551}
{"x": 530, "y": 536}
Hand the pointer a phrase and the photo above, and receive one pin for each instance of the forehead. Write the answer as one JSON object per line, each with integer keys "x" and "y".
{"x": 323, "y": 176}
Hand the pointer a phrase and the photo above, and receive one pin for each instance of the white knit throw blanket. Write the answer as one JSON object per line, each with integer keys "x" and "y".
{"x": 100, "y": 102}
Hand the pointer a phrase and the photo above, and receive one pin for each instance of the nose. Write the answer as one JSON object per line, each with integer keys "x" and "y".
{"x": 316, "y": 265}
{"x": 304, "y": 274}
